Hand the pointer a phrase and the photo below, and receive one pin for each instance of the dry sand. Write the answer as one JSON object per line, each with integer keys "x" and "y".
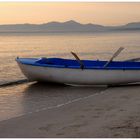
{"x": 115, "y": 112}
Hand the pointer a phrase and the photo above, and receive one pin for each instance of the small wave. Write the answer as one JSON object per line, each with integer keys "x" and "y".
{"x": 12, "y": 83}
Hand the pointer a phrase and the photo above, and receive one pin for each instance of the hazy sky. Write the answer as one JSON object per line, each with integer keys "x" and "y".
{"x": 99, "y": 13}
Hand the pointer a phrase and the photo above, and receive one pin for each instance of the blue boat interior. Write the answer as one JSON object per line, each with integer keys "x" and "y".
{"x": 69, "y": 63}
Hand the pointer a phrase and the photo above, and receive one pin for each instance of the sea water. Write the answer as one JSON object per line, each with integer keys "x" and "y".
{"x": 21, "y": 99}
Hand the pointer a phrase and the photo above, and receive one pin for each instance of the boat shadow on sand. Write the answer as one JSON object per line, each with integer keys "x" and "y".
{"x": 44, "y": 95}
{"x": 50, "y": 91}
{"x": 55, "y": 89}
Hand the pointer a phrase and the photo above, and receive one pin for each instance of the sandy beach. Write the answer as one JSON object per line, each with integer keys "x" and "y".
{"x": 112, "y": 112}
{"x": 59, "y": 63}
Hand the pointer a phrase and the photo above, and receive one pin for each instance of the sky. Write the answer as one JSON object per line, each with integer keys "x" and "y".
{"x": 88, "y": 12}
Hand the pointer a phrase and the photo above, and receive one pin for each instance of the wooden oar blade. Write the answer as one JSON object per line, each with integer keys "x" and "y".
{"x": 117, "y": 52}
{"x": 76, "y": 56}
{"x": 114, "y": 55}
{"x": 78, "y": 59}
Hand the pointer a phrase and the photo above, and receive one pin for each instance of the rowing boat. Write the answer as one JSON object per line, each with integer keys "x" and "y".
{"x": 80, "y": 72}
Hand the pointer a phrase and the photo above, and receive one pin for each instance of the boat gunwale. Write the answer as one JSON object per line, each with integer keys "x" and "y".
{"x": 78, "y": 67}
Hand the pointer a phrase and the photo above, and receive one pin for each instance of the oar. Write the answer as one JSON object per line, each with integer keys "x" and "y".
{"x": 78, "y": 59}
{"x": 114, "y": 55}
{"x": 133, "y": 59}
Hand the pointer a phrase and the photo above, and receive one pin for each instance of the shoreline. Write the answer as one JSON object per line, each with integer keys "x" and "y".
{"x": 32, "y": 96}
{"x": 115, "y": 113}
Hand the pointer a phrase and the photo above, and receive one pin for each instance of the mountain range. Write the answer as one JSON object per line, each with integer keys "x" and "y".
{"x": 68, "y": 26}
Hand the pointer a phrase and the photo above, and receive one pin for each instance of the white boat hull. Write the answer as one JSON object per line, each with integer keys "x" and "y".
{"x": 79, "y": 76}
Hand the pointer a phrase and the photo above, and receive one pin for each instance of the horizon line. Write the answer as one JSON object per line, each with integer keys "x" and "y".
{"x": 68, "y": 21}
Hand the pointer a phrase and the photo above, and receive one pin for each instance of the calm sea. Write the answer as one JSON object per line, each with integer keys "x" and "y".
{"x": 27, "y": 98}
{"x": 87, "y": 46}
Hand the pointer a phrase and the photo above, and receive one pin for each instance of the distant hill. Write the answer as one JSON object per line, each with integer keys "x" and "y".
{"x": 68, "y": 26}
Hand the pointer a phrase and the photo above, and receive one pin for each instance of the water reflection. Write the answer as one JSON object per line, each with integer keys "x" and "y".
{"x": 43, "y": 95}
{"x": 21, "y": 99}
{"x": 25, "y": 98}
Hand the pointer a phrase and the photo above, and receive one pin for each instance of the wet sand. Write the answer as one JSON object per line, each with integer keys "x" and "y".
{"x": 112, "y": 112}
{"x": 25, "y": 98}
